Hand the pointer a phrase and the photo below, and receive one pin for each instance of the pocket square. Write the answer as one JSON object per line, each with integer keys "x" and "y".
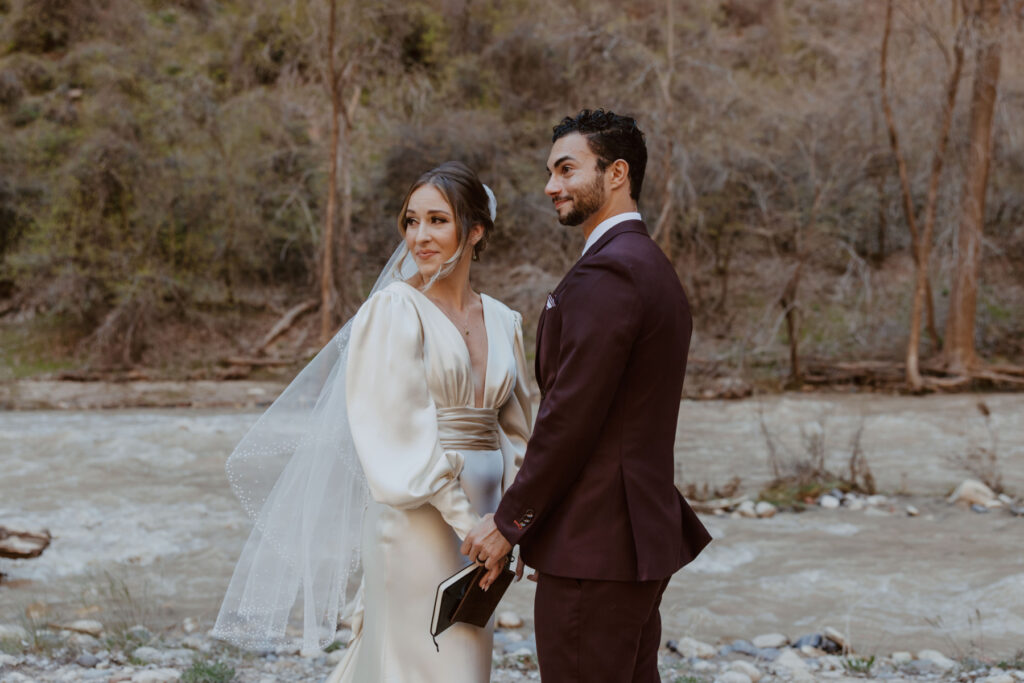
{"x": 551, "y": 302}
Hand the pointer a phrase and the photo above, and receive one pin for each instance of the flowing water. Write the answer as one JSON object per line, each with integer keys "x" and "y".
{"x": 145, "y": 526}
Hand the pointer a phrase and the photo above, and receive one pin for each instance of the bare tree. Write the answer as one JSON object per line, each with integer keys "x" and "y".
{"x": 921, "y": 238}
{"x": 341, "y": 75}
{"x": 960, "y": 350}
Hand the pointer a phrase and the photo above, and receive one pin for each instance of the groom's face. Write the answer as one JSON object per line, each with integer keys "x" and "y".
{"x": 576, "y": 186}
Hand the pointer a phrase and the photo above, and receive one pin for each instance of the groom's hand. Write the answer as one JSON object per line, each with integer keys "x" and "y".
{"x": 486, "y": 545}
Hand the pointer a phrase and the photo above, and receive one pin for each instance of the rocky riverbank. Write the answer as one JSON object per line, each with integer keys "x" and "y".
{"x": 86, "y": 650}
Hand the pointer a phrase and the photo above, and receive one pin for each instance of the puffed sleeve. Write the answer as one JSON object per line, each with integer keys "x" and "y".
{"x": 393, "y": 417}
{"x": 516, "y": 415}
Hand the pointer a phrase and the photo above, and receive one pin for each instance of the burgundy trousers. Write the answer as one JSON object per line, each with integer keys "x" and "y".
{"x": 592, "y": 631}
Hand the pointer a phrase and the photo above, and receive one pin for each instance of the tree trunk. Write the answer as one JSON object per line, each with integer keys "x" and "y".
{"x": 960, "y": 351}
{"x": 327, "y": 253}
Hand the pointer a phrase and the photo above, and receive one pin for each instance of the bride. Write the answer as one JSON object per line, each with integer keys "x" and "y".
{"x": 385, "y": 451}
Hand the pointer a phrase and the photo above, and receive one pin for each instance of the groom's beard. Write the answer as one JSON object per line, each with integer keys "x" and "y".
{"x": 585, "y": 202}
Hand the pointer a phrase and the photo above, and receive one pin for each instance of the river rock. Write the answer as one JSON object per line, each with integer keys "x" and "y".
{"x": 733, "y": 677}
{"x": 189, "y": 625}
{"x": 764, "y": 509}
{"x": 901, "y": 657}
{"x": 746, "y": 668}
{"x": 747, "y": 509}
{"x": 810, "y": 640}
{"x": 84, "y": 642}
{"x": 89, "y": 627}
{"x": 139, "y": 633}
{"x": 743, "y": 647}
{"x": 87, "y": 660}
{"x": 156, "y": 676}
{"x": 829, "y": 502}
{"x": 12, "y": 632}
{"x": 937, "y": 658}
{"x": 973, "y": 492}
{"x": 998, "y": 678}
{"x": 691, "y": 647}
{"x": 877, "y": 499}
{"x": 335, "y": 656}
{"x": 978, "y": 507}
{"x": 15, "y": 677}
{"x": 775, "y": 640}
{"x": 148, "y": 655}
{"x": 912, "y": 511}
{"x": 837, "y": 638}
{"x": 509, "y": 620}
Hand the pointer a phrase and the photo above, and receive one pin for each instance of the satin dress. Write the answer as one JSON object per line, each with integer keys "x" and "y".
{"x": 434, "y": 464}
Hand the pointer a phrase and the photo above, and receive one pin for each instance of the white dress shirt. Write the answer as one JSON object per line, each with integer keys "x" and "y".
{"x": 607, "y": 224}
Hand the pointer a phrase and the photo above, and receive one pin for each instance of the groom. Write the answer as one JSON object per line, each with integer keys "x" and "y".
{"x": 594, "y": 507}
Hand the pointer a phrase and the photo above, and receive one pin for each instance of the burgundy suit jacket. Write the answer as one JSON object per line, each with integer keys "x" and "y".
{"x": 595, "y": 497}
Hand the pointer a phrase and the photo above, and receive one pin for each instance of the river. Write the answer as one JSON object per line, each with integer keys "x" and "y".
{"x": 145, "y": 527}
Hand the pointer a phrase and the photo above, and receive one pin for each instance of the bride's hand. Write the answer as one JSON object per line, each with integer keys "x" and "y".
{"x": 521, "y": 568}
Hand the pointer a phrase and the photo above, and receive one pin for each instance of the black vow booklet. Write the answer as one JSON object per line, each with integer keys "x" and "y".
{"x": 460, "y": 598}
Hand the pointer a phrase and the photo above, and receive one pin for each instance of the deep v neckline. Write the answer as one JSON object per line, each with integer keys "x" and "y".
{"x": 465, "y": 346}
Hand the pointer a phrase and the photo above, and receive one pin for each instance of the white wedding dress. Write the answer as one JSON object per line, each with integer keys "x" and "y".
{"x": 434, "y": 464}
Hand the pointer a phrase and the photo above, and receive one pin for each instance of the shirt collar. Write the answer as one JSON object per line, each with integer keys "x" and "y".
{"x": 607, "y": 224}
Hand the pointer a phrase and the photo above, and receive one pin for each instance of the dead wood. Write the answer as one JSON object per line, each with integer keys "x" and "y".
{"x": 259, "y": 362}
{"x": 23, "y": 545}
{"x": 286, "y": 322}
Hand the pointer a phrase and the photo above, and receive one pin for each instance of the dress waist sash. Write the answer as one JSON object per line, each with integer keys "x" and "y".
{"x": 465, "y": 428}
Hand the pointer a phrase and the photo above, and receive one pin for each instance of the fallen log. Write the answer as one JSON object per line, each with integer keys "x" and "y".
{"x": 285, "y": 323}
{"x": 23, "y": 545}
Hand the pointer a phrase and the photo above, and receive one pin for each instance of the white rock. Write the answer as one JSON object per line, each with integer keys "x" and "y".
{"x": 770, "y": 640}
{"x": 189, "y": 625}
{"x": 790, "y": 660}
{"x": 973, "y": 492}
{"x": 733, "y": 677}
{"x": 764, "y": 509}
{"x": 336, "y": 656}
{"x": 902, "y": 657}
{"x": 703, "y": 666}
{"x": 1006, "y": 499}
{"x": 84, "y": 642}
{"x": 828, "y": 502}
{"x": 149, "y": 655}
{"x": 691, "y": 647}
{"x": 15, "y": 677}
{"x": 156, "y": 676}
{"x": 11, "y": 632}
{"x": 747, "y": 509}
{"x": 89, "y": 627}
{"x": 751, "y": 671}
{"x": 811, "y": 651}
{"x": 509, "y": 620}
{"x": 854, "y": 504}
{"x": 7, "y": 660}
{"x": 912, "y": 511}
{"x": 836, "y": 637}
{"x": 877, "y": 499}
{"x": 998, "y": 678}
{"x": 937, "y": 658}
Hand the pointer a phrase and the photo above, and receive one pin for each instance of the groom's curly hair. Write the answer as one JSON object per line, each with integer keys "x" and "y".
{"x": 611, "y": 137}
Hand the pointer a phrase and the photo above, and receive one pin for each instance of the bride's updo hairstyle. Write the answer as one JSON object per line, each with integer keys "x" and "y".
{"x": 470, "y": 203}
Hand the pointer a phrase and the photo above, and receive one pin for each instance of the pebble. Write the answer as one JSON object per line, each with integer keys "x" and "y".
{"x": 733, "y": 677}
{"x": 691, "y": 647}
{"x": 790, "y": 660}
{"x": 87, "y": 626}
{"x": 937, "y": 658}
{"x": 148, "y": 655}
{"x": 747, "y": 509}
{"x": 743, "y": 647}
{"x": 746, "y": 668}
{"x": 836, "y": 637}
{"x": 87, "y": 660}
{"x": 828, "y": 502}
{"x": 877, "y": 499}
{"x": 998, "y": 678}
{"x": 336, "y": 656}
{"x": 510, "y": 620}
{"x": 810, "y": 640}
{"x": 10, "y": 632}
{"x": 765, "y": 510}
{"x": 156, "y": 676}
{"x": 189, "y": 625}
{"x": 977, "y": 507}
{"x": 973, "y": 492}
{"x": 912, "y": 511}
{"x": 901, "y": 657}
{"x": 84, "y": 642}
{"x": 773, "y": 640}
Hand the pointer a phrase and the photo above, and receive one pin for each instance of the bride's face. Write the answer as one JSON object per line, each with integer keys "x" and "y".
{"x": 431, "y": 234}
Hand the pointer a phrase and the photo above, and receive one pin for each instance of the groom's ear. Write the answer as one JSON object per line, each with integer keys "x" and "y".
{"x": 618, "y": 174}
